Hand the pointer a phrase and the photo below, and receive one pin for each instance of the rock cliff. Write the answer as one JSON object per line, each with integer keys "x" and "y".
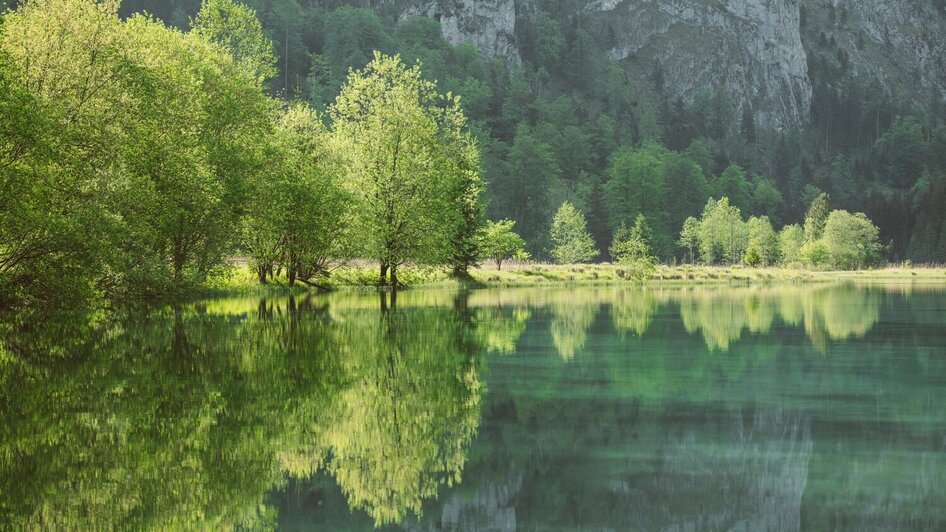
{"x": 756, "y": 51}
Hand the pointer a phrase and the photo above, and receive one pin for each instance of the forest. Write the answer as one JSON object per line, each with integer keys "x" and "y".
{"x": 558, "y": 126}
{"x": 144, "y": 145}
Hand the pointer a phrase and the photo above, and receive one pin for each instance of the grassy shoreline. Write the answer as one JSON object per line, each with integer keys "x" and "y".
{"x": 240, "y": 279}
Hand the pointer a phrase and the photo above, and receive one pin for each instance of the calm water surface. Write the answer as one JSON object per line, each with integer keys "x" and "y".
{"x": 712, "y": 408}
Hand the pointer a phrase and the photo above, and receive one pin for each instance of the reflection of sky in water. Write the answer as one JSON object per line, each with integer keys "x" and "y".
{"x": 718, "y": 407}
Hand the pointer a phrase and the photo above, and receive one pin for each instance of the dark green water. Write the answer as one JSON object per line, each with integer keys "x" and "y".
{"x": 717, "y": 408}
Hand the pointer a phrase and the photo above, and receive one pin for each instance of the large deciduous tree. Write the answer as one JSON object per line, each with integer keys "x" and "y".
{"x": 407, "y": 160}
{"x": 294, "y": 219}
{"x": 851, "y": 240}
{"x": 150, "y": 136}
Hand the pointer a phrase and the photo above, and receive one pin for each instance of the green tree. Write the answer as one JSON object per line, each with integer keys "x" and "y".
{"x": 156, "y": 133}
{"x": 465, "y": 189}
{"x": 763, "y": 243}
{"x": 194, "y": 145}
{"x": 351, "y": 36}
{"x": 635, "y": 184}
{"x": 690, "y": 237}
{"x": 402, "y": 147}
{"x": 817, "y": 217}
{"x": 570, "y": 237}
{"x": 500, "y": 243}
{"x": 815, "y": 254}
{"x": 55, "y": 145}
{"x": 766, "y": 198}
{"x": 790, "y": 240}
{"x": 522, "y": 189}
{"x": 902, "y": 150}
{"x": 843, "y": 184}
{"x": 733, "y": 184}
{"x": 851, "y": 240}
{"x": 723, "y": 233}
{"x": 685, "y": 188}
{"x": 295, "y": 216}
{"x": 236, "y": 28}
{"x": 634, "y": 250}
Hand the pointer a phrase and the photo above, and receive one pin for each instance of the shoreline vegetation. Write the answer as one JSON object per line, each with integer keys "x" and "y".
{"x": 241, "y": 279}
{"x": 182, "y": 173}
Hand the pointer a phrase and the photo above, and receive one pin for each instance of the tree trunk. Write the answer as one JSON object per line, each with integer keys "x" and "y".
{"x": 499, "y": 264}
{"x": 261, "y": 272}
{"x": 291, "y": 272}
{"x": 394, "y": 276}
{"x": 384, "y": 275}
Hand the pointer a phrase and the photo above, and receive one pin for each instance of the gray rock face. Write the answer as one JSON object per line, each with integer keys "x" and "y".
{"x": 750, "y": 49}
{"x": 901, "y": 44}
{"x": 490, "y": 24}
{"x": 755, "y": 51}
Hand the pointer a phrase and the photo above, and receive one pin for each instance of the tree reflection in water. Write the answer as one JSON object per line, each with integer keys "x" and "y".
{"x": 608, "y": 408}
{"x": 185, "y": 418}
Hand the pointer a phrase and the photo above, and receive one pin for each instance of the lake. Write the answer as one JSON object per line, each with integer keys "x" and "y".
{"x": 612, "y": 408}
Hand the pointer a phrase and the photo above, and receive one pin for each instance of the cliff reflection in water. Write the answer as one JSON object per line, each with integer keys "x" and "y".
{"x": 606, "y": 408}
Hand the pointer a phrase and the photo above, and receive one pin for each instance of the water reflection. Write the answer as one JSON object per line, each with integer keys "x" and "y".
{"x": 188, "y": 418}
{"x": 798, "y": 407}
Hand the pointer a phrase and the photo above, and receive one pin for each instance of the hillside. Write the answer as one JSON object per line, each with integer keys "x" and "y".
{"x": 843, "y": 97}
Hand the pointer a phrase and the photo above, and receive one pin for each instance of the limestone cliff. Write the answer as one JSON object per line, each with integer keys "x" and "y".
{"x": 490, "y": 24}
{"x": 749, "y": 49}
{"x": 755, "y": 51}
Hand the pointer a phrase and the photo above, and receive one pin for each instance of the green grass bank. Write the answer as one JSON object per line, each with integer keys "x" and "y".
{"x": 241, "y": 279}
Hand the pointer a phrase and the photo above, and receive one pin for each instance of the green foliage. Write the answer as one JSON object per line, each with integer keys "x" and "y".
{"x": 685, "y": 186}
{"x": 294, "y": 218}
{"x": 733, "y": 184}
{"x": 500, "y": 243}
{"x": 790, "y": 241}
{"x": 851, "y": 240}
{"x": 154, "y": 133}
{"x": 633, "y": 250}
{"x": 44, "y": 251}
{"x": 133, "y": 153}
{"x": 902, "y": 151}
{"x": 766, "y": 198}
{"x": 690, "y": 237}
{"x": 817, "y": 217}
{"x": 570, "y": 238}
{"x": 141, "y": 158}
{"x": 815, "y": 254}
{"x": 763, "y": 243}
{"x": 635, "y": 184}
{"x": 527, "y": 199}
{"x": 843, "y": 184}
{"x": 235, "y": 27}
{"x": 723, "y": 233}
{"x": 867, "y": 144}
{"x": 465, "y": 187}
{"x": 406, "y": 157}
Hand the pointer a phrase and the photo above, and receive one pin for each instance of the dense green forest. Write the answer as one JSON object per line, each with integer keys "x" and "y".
{"x": 140, "y": 151}
{"x": 567, "y": 122}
